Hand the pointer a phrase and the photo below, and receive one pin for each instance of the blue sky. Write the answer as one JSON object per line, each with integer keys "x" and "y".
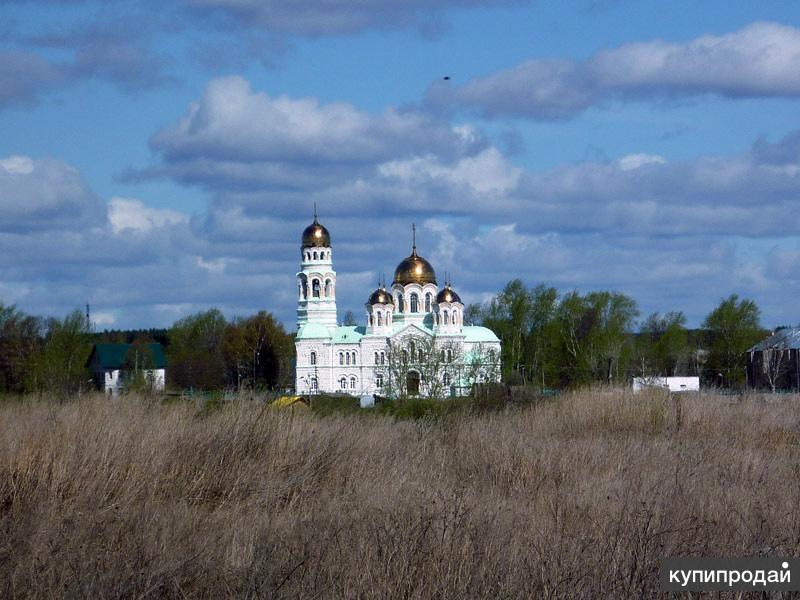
{"x": 161, "y": 158}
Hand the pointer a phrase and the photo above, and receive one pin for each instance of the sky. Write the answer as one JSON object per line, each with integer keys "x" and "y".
{"x": 162, "y": 158}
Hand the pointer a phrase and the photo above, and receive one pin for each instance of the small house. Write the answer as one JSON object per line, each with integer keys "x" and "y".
{"x": 774, "y": 363}
{"x": 115, "y": 366}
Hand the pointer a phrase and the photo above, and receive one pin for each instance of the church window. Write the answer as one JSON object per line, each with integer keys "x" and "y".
{"x": 313, "y": 358}
{"x": 446, "y": 379}
{"x": 315, "y": 256}
{"x": 380, "y": 319}
{"x": 412, "y": 347}
{"x": 315, "y": 288}
{"x": 405, "y": 356}
{"x": 314, "y": 384}
{"x": 428, "y": 299}
{"x": 400, "y": 303}
{"x": 383, "y": 358}
{"x": 421, "y": 355}
{"x": 414, "y": 303}
{"x": 347, "y": 357}
{"x": 443, "y": 359}
{"x": 377, "y": 358}
{"x": 328, "y": 288}
{"x": 352, "y": 383}
{"x": 446, "y": 318}
{"x": 449, "y": 355}
{"x": 379, "y": 381}
{"x": 355, "y": 356}
{"x": 341, "y": 358}
{"x": 343, "y": 383}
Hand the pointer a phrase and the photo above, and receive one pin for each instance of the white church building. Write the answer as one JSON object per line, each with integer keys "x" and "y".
{"x": 414, "y": 342}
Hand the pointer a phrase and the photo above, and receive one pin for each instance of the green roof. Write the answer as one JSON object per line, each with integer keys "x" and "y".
{"x": 473, "y": 333}
{"x": 313, "y": 331}
{"x": 348, "y": 334}
{"x": 112, "y": 356}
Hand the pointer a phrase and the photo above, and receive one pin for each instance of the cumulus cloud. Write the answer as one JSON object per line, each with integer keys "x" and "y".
{"x": 25, "y": 75}
{"x": 131, "y": 214}
{"x": 45, "y": 194}
{"x": 760, "y": 60}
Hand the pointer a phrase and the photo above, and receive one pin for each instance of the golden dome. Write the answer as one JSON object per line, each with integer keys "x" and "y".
{"x": 447, "y": 295}
{"x": 316, "y": 236}
{"x": 381, "y": 296}
{"x": 414, "y": 269}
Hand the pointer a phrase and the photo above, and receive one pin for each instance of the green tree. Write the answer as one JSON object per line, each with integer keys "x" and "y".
{"x": 21, "y": 339}
{"x": 258, "y": 352}
{"x": 731, "y": 328}
{"x": 138, "y": 367}
{"x": 663, "y": 345}
{"x": 60, "y": 368}
{"x": 195, "y": 353}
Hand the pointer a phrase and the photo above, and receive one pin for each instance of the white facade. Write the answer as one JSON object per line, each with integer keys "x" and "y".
{"x": 114, "y": 380}
{"x": 672, "y": 384}
{"x": 414, "y": 340}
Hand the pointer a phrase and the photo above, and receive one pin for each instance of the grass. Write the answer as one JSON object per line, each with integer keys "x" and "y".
{"x": 579, "y": 496}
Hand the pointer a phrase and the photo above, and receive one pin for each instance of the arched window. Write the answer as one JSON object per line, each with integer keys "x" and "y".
{"x": 377, "y": 358}
{"x": 414, "y": 303}
{"x": 412, "y": 347}
{"x": 347, "y": 357}
{"x": 455, "y": 317}
{"x": 400, "y": 303}
{"x": 446, "y": 318}
{"x": 328, "y": 288}
{"x": 313, "y": 358}
{"x": 315, "y": 288}
{"x": 428, "y": 299}
{"x": 383, "y": 358}
{"x": 352, "y": 383}
{"x": 304, "y": 287}
{"x": 421, "y": 355}
{"x": 314, "y": 384}
{"x": 343, "y": 383}
{"x": 380, "y": 319}
{"x": 443, "y": 358}
{"x": 341, "y": 358}
{"x": 446, "y": 379}
{"x": 315, "y": 256}
{"x": 449, "y": 355}
{"x": 405, "y": 356}
{"x": 369, "y": 319}
{"x": 379, "y": 381}
{"x": 355, "y": 357}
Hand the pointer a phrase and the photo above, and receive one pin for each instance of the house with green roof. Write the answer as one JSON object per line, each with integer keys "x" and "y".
{"x": 114, "y": 366}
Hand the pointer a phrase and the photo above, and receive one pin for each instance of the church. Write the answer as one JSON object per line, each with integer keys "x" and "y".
{"x": 414, "y": 342}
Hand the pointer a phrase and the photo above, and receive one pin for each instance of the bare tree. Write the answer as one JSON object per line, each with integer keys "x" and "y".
{"x": 427, "y": 363}
{"x": 774, "y": 364}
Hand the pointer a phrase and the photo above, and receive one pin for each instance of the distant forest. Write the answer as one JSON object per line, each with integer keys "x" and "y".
{"x": 550, "y": 341}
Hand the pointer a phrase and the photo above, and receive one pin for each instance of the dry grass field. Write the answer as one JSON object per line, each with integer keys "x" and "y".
{"x": 576, "y": 497}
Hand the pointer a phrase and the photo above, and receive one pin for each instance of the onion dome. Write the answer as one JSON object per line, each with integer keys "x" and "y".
{"x": 381, "y": 296}
{"x": 414, "y": 269}
{"x": 316, "y": 236}
{"x": 448, "y": 295}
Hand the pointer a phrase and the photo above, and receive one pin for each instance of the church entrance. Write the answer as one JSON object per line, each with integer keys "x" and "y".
{"x": 412, "y": 383}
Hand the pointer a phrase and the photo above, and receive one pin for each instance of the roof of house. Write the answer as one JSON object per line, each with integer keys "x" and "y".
{"x": 787, "y": 338}
{"x": 112, "y": 356}
{"x": 474, "y": 333}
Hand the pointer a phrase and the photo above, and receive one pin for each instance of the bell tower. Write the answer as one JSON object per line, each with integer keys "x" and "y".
{"x": 316, "y": 280}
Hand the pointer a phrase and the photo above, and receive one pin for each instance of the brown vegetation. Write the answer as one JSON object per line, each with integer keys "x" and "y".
{"x": 576, "y": 497}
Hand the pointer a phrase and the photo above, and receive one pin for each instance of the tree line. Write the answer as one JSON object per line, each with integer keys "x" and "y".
{"x": 205, "y": 351}
{"x": 549, "y": 340}
{"x": 557, "y": 340}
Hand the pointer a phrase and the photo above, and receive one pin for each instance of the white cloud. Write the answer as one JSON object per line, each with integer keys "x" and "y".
{"x": 132, "y": 215}
{"x": 18, "y": 165}
{"x": 634, "y": 161}
{"x": 759, "y": 60}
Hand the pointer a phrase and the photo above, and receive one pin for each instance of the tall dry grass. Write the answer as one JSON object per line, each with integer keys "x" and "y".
{"x": 579, "y": 497}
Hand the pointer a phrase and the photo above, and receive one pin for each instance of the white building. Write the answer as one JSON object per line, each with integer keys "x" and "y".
{"x": 113, "y": 366}
{"x": 414, "y": 341}
{"x": 672, "y": 384}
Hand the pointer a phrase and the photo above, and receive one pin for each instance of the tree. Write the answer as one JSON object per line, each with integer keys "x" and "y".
{"x": 438, "y": 364}
{"x": 350, "y": 319}
{"x": 258, "y": 352}
{"x": 731, "y": 328}
{"x": 21, "y": 339}
{"x": 195, "y": 351}
{"x": 139, "y": 367}
{"x": 60, "y": 368}
{"x": 663, "y": 345}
